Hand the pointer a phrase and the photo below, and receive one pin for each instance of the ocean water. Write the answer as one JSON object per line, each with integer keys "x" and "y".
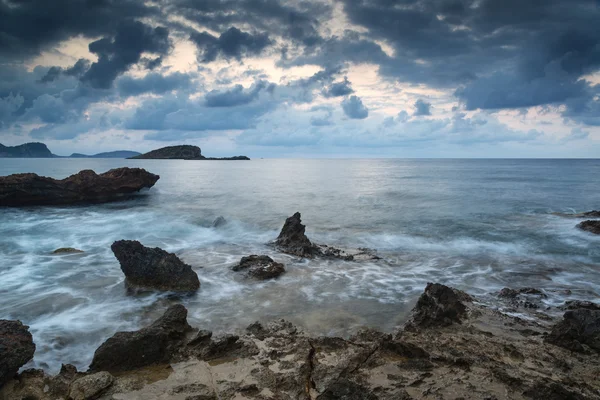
{"x": 478, "y": 225}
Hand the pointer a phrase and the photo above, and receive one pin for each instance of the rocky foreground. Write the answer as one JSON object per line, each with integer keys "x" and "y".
{"x": 451, "y": 348}
{"x": 84, "y": 187}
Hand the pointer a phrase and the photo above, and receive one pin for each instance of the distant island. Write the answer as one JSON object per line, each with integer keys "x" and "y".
{"x": 40, "y": 150}
{"x": 182, "y": 152}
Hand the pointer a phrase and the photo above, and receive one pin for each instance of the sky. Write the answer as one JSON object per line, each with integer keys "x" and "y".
{"x": 314, "y": 78}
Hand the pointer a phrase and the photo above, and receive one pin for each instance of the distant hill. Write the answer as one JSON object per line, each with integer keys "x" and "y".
{"x": 27, "y": 150}
{"x": 182, "y": 152}
{"x": 110, "y": 154}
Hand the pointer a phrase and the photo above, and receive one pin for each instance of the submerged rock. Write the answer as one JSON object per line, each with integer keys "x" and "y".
{"x": 578, "y": 328}
{"x": 592, "y": 226}
{"x": 16, "y": 348}
{"x": 156, "y": 343}
{"x": 154, "y": 268}
{"x": 90, "y": 386}
{"x": 439, "y": 306}
{"x": 83, "y": 187}
{"x": 260, "y": 267}
{"x": 67, "y": 250}
{"x": 219, "y": 221}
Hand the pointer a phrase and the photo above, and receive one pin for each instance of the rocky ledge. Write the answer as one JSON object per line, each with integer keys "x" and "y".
{"x": 84, "y": 187}
{"x": 451, "y": 348}
{"x": 293, "y": 240}
{"x": 592, "y": 226}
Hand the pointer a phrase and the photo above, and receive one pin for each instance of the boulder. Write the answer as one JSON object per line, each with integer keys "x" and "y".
{"x": 91, "y": 386}
{"x": 592, "y": 226}
{"x": 293, "y": 240}
{"x": 578, "y": 328}
{"x": 67, "y": 250}
{"x": 154, "y": 344}
{"x": 16, "y": 348}
{"x": 154, "y": 268}
{"x": 84, "y": 187}
{"x": 439, "y": 306}
{"x": 260, "y": 267}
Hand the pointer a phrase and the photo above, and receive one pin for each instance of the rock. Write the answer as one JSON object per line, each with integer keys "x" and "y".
{"x": 181, "y": 152}
{"x": 513, "y": 293}
{"x": 344, "y": 389}
{"x": 26, "y": 150}
{"x": 592, "y": 226}
{"x": 84, "y": 187}
{"x": 548, "y": 390}
{"x": 592, "y": 214}
{"x": 292, "y": 239}
{"x": 67, "y": 250}
{"x": 577, "y": 304}
{"x": 154, "y": 268}
{"x": 91, "y": 387}
{"x": 156, "y": 343}
{"x": 260, "y": 267}
{"x": 524, "y": 297}
{"x": 578, "y": 328}
{"x": 219, "y": 221}
{"x": 16, "y": 348}
{"x": 438, "y": 306}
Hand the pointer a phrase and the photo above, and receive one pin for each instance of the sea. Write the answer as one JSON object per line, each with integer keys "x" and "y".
{"x": 478, "y": 225}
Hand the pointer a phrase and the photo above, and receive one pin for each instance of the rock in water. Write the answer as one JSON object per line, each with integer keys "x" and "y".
{"x": 16, "y": 348}
{"x": 67, "y": 250}
{"x": 592, "y": 226}
{"x": 578, "y": 327}
{"x": 84, "y": 187}
{"x": 219, "y": 221}
{"x": 154, "y": 344}
{"x": 260, "y": 267}
{"x": 90, "y": 386}
{"x": 438, "y": 306}
{"x": 154, "y": 268}
{"x": 292, "y": 239}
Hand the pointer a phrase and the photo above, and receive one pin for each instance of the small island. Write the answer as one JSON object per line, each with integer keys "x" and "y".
{"x": 181, "y": 152}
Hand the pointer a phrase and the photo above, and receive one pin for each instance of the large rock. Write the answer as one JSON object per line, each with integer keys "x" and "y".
{"x": 154, "y": 268}
{"x": 260, "y": 267}
{"x": 438, "y": 306}
{"x": 592, "y": 226}
{"x": 578, "y": 328}
{"x": 154, "y": 344}
{"x": 83, "y": 187}
{"x": 293, "y": 240}
{"x": 16, "y": 348}
{"x": 91, "y": 386}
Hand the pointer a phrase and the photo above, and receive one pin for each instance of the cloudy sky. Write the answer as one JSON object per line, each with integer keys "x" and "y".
{"x": 315, "y": 78}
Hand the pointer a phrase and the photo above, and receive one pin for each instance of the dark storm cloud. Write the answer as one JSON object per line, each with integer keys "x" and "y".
{"x": 116, "y": 55}
{"x": 338, "y": 89}
{"x": 233, "y": 43}
{"x": 153, "y": 83}
{"x": 354, "y": 108}
{"x": 235, "y": 96}
{"x": 77, "y": 70}
{"x": 422, "y": 108}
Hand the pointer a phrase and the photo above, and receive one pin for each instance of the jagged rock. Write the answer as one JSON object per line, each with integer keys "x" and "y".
{"x": 219, "y": 221}
{"x": 512, "y": 293}
{"x": 16, "y": 348}
{"x": 91, "y": 387}
{"x": 439, "y": 306}
{"x": 292, "y": 239}
{"x": 260, "y": 267}
{"x": 154, "y": 268}
{"x": 524, "y": 297}
{"x": 578, "y": 327}
{"x": 577, "y": 304}
{"x": 83, "y": 187}
{"x": 592, "y": 226}
{"x": 67, "y": 250}
{"x": 156, "y": 343}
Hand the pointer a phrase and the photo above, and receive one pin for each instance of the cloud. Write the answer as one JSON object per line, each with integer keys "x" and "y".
{"x": 338, "y": 89}
{"x": 233, "y": 43}
{"x": 235, "y": 96}
{"x": 154, "y": 83}
{"x": 422, "y": 108}
{"x": 354, "y": 108}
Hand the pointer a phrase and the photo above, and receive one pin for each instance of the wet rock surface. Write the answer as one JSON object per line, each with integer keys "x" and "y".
{"x": 154, "y": 268}
{"x": 16, "y": 348}
{"x": 154, "y": 344}
{"x": 84, "y": 187}
{"x": 461, "y": 352}
{"x": 528, "y": 297}
{"x": 219, "y": 221}
{"x": 592, "y": 226}
{"x": 259, "y": 267}
{"x": 578, "y": 330}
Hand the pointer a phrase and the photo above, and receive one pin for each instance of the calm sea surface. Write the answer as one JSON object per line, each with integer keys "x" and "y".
{"x": 478, "y": 225}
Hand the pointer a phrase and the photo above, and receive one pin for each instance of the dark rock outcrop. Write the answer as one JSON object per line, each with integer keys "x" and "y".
{"x": 439, "y": 306}
{"x": 524, "y": 297}
{"x": 577, "y": 304}
{"x": 578, "y": 328}
{"x": 181, "y": 152}
{"x": 293, "y": 240}
{"x": 26, "y": 150}
{"x": 83, "y": 187}
{"x": 156, "y": 343}
{"x": 591, "y": 214}
{"x": 16, "y": 348}
{"x": 153, "y": 268}
{"x": 260, "y": 267}
{"x": 592, "y": 226}
{"x": 219, "y": 221}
